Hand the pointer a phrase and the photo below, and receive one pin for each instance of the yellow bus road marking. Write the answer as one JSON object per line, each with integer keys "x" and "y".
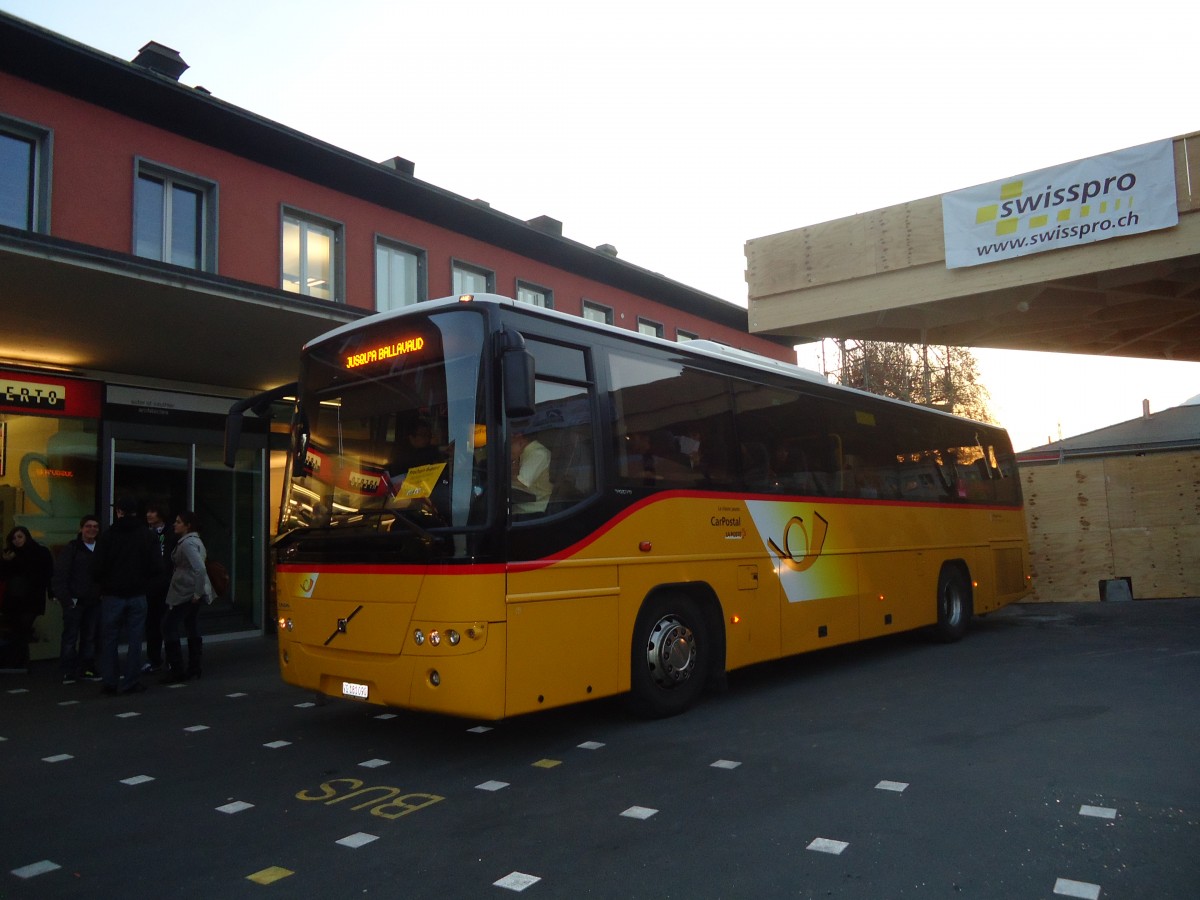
{"x": 270, "y": 875}
{"x": 382, "y": 800}
{"x": 547, "y": 763}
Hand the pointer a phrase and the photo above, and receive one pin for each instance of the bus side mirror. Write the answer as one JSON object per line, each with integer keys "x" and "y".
{"x": 517, "y": 370}
{"x": 517, "y": 374}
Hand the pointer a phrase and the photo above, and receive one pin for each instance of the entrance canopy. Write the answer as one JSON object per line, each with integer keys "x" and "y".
{"x": 883, "y": 276}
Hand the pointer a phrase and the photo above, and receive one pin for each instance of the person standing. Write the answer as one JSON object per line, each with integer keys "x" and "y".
{"x": 126, "y": 564}
{"x": 189, "y": 588}
{"x": 25, "y": 568}
{"x": 76, "y": 590}
{"x": 156, "y": 597}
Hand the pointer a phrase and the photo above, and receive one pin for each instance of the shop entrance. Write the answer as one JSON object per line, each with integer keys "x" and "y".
{"x": 183, "y": 469}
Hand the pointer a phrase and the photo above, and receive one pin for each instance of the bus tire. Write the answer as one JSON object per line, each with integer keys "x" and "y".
{"x": 954, "y": 606}
{"x": 671, "y": 655}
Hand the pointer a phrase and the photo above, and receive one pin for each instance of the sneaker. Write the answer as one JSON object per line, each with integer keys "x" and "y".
{"x": 91, "y": 675}
{"x": 148, "y": 667}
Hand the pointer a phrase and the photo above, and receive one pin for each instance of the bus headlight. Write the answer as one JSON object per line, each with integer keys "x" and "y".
{"x": 435, "y": 638}
{"x": 419, "y": 637}
{"x": 453, "y": 637}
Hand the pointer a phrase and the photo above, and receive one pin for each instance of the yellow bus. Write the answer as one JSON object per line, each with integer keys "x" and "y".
{"x": 492, "y": 508}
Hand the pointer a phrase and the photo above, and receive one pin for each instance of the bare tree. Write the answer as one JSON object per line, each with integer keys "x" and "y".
{"x": 946, "y": 378}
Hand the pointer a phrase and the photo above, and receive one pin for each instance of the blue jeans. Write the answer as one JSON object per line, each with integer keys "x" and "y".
{"x": 115, "y": 613}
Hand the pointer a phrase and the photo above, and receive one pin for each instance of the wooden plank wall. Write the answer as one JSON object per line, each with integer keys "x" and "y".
{"x": 1135, "y": 516}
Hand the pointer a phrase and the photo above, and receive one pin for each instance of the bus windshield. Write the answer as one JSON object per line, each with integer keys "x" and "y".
{"x": 389, "y": 436}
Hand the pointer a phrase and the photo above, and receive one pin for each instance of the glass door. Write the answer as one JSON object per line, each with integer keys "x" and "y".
{"x": 228, "y": 503}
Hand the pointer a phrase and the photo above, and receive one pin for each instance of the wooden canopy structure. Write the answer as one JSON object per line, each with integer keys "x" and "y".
{"x": 882, "y": 275}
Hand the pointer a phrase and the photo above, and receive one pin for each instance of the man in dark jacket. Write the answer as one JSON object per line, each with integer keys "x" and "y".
{"x": 126, "y": 564}
{"x": 74, "y": 588}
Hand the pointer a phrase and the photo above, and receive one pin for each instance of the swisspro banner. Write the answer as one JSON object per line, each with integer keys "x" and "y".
{"x": 1095, "y": 199}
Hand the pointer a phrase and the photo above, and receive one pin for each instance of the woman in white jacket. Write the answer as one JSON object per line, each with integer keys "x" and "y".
{"x": 189, "y": 588}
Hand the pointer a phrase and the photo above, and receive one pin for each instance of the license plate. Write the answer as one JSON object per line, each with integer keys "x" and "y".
{"x": 350, "y": 689}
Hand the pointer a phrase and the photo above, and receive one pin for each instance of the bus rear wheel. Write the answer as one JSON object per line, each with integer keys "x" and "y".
{"x": 671, "y": 656}
{"x": 954, "y": 606}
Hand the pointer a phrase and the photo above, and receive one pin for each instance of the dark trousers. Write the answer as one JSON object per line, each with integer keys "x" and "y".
{"x": 80, "y": 638}
{"x": 183, "y": 618}
{"x": 156, "y": 608}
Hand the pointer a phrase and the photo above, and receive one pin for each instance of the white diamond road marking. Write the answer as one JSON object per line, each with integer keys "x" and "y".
{"x": 374, "y": 763}
{"x": 236, "y": 694}
{"x": 482, "y": 729}
{"x": 19, "y": 691}
{"x": 128, "y": 715}
{"x": 725, "y": 764}
{"x": 386, "y": 716}
{"x": 61, "y": 757}
{"x": 137, "y": 779}
{"x": 1099, "y": 812}
{"x": 37, "y": 868}
{"x": 1068, "y": 888}
{"x": 305, "y": 705}
{"x": 196, "y": 728}
{"x": 516, "y": 881}
{"x": 275, "y": 745}
{"x": 897, "y": 786}
{"x": 639, "y": 812}
{"x": 236, "y": 806}
{"x": 492, "y": 786}
{"x": 590, "y": 745}
{"x": 63, "y": 703}
{"x": 176, "y": 686}
{"x": 357, "y": 840}
{"x": 825, "y": 845}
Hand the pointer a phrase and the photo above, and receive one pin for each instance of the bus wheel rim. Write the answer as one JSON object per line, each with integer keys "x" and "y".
{"x": 671, "y": 652}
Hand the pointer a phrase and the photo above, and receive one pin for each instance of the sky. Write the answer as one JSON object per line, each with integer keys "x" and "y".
{"x": 677, "y": 131}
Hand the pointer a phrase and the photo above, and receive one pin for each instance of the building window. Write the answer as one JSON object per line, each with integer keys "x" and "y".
{"x": 400, "y": 278}
{"x": 684, "y": 336}
{"x": 535, "y": 295}
{"x": 654, "y": 329}
{"x": 174, "y": 218}
{"x": 468, "y": 279}
{"x": 312, "y": 263}
{"x": 24, "y": 176}
{"x": 596, "y": 313}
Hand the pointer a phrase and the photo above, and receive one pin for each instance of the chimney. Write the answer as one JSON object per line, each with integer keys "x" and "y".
{"x": 546, "y": 224}
{"x": 161, "y": 60}
{"x": 1145, "y": 409}
{"x": 608, "y": 249}
{"x": 401, "y": 165}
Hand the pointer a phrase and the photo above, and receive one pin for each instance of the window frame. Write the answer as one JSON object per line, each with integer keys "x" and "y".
{"x": 422, "y": 262}
{"x": 607, "y": 311}
{"x": 337, "y": 260}
{"x": 657, "y": 331}
{"x": 489, "y": 275}
{"x": 682, "y": 336}
{"x": 41, "y": 176}
{"x": 547, "y": 293}
{"x": 209, "y": 227}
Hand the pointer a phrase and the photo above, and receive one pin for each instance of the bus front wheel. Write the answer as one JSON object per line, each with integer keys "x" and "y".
{"x": 671, "y": 656}
{"x": 954, "y": 607}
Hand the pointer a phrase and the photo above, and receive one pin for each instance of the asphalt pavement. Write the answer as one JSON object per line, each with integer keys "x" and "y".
{"x": 1051, "y": 753}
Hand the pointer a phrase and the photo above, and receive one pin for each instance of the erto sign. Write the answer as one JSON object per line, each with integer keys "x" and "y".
{"x": 1122, "y": 193}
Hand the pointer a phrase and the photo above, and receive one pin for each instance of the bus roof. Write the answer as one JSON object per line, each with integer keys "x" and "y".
{"x": 703, "y": 348}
